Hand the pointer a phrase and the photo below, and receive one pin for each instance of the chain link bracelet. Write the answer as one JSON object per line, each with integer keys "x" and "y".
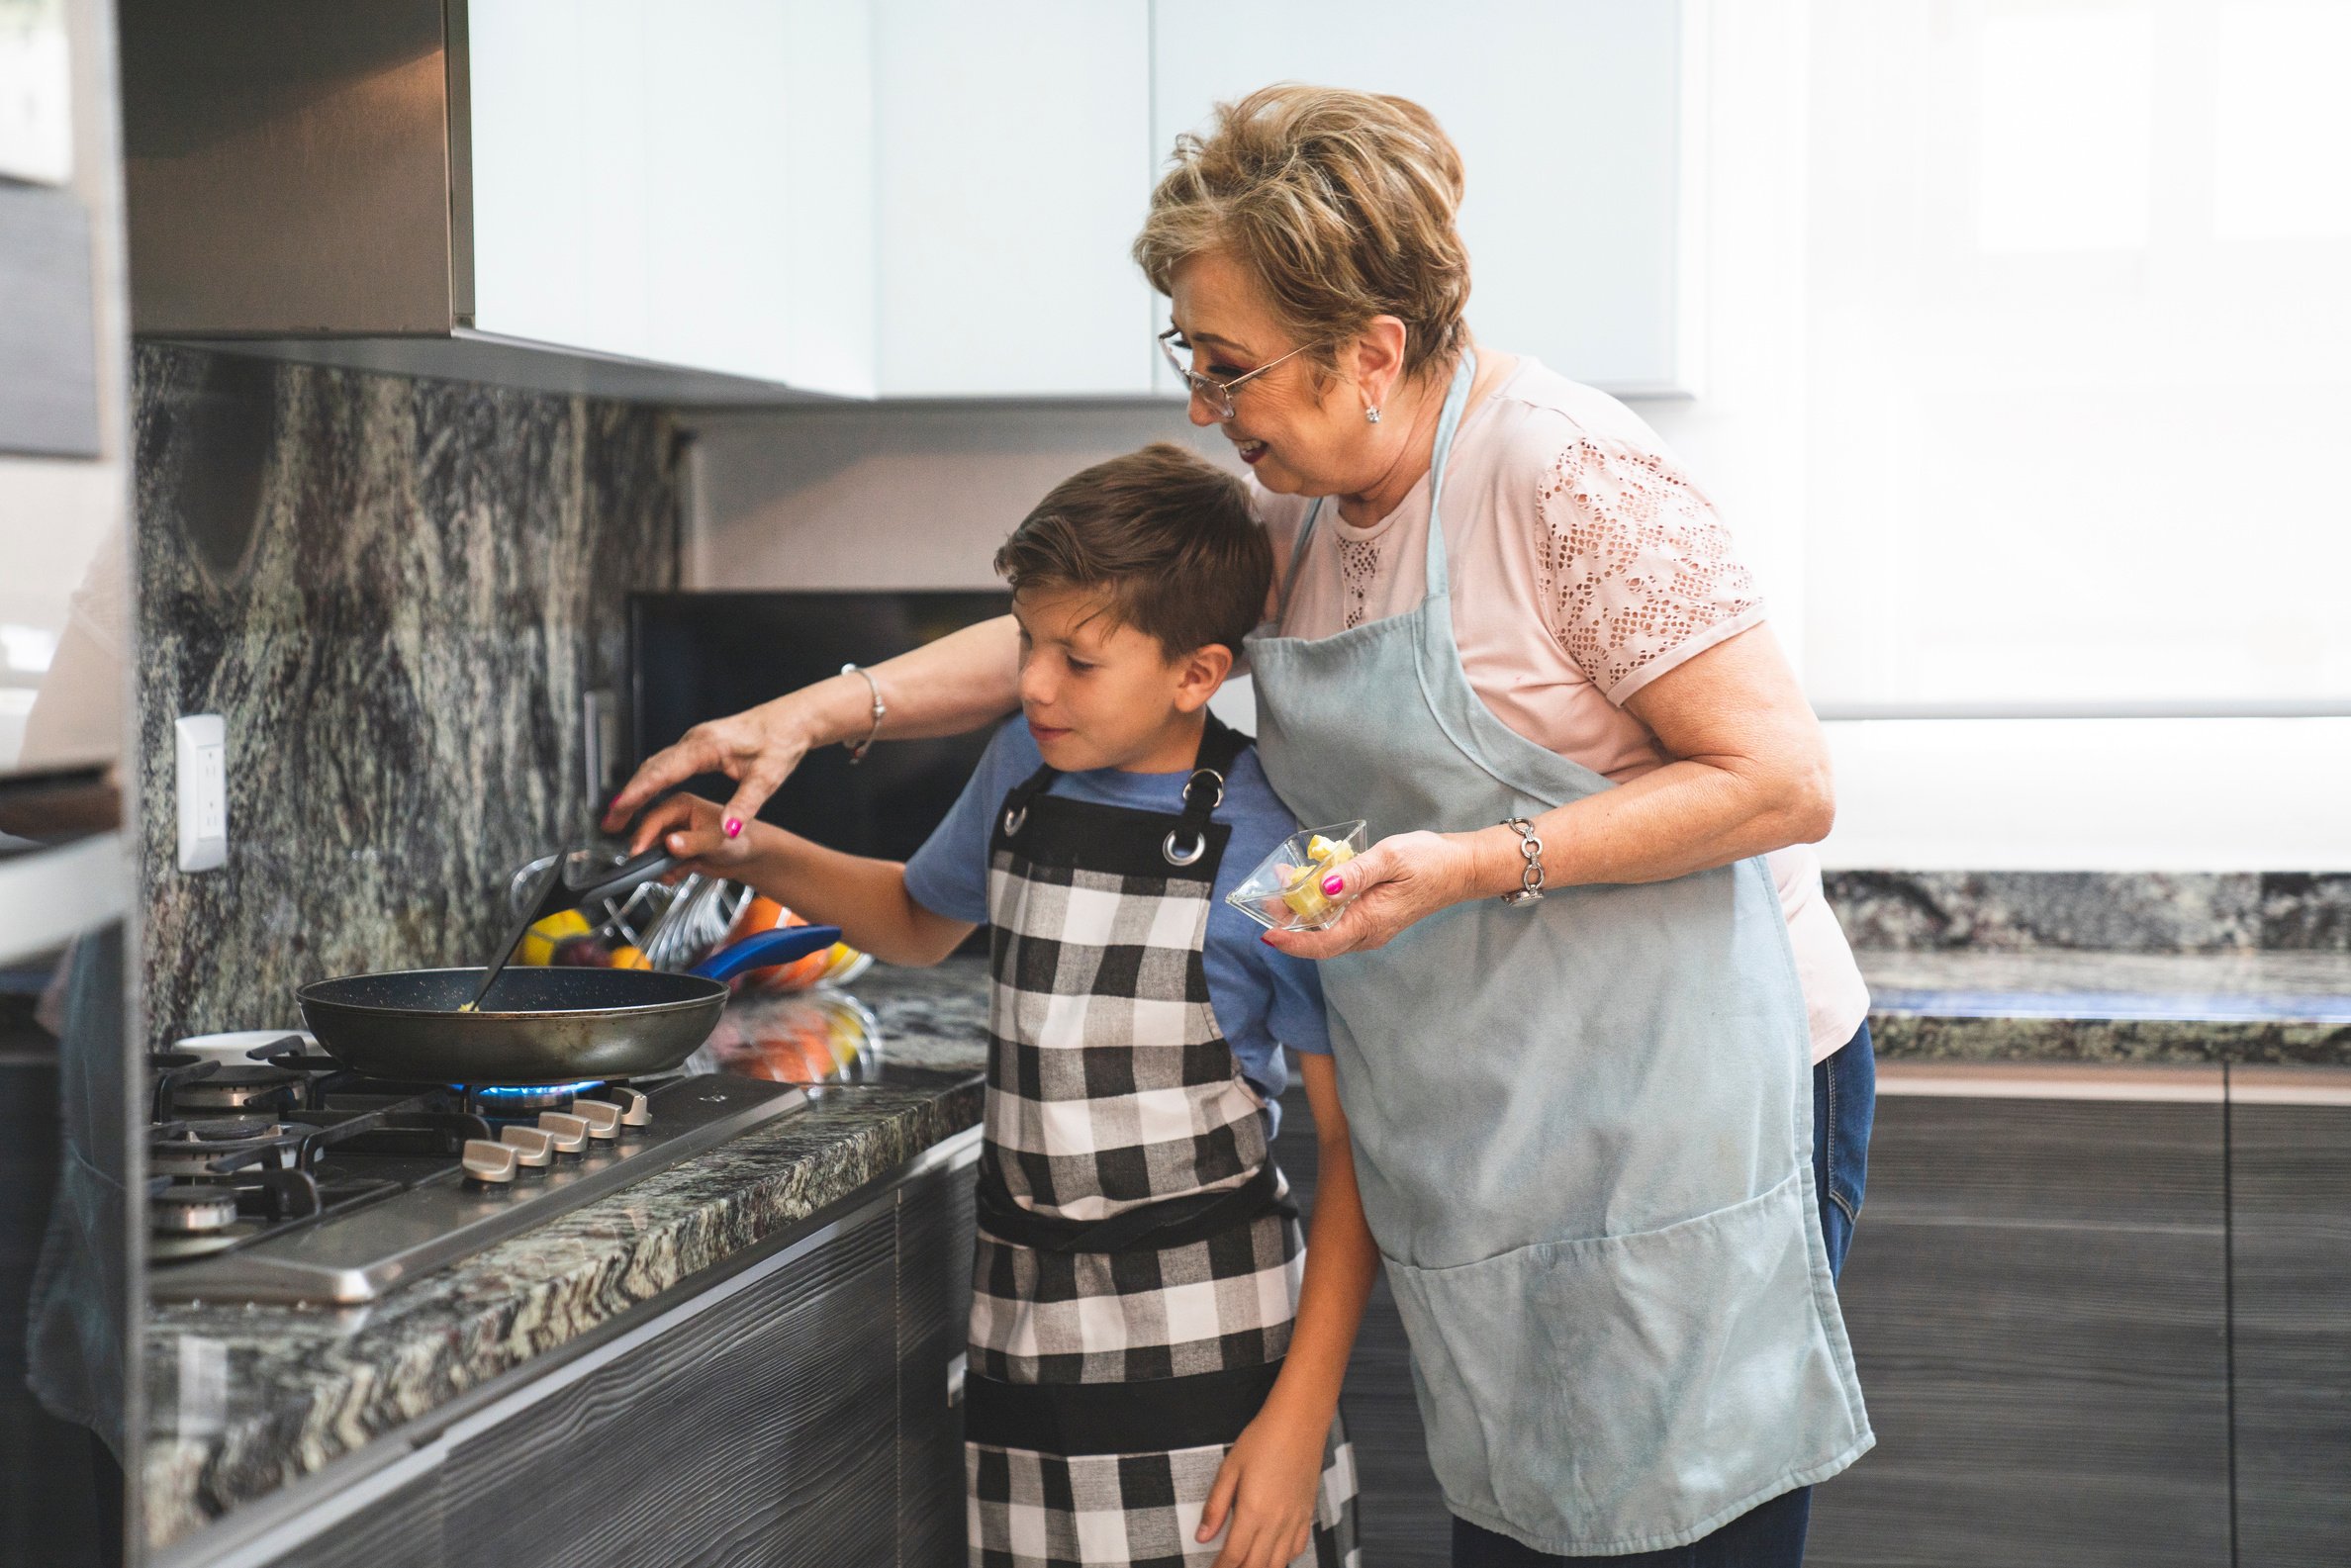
{"x": 858, "y": 749}
{"x": 1530, "y": 887}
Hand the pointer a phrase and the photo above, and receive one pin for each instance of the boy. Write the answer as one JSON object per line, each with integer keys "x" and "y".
{"x": 1146, "y": 1366}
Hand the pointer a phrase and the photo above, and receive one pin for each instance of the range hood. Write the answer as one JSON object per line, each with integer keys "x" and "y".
{"x": 310, "y": 182}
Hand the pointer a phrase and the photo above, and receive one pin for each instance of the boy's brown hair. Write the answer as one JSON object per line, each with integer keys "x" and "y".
{"x": 1164, "y": 534}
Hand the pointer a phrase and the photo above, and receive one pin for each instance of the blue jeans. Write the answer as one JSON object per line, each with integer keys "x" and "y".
{"x": 1769, "y": 1534}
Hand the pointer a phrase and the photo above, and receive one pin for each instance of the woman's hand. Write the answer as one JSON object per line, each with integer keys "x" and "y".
{"x": 757, "y": 747}
{"x": 1395, "y": 882}
{"x": 1266, "y": 1485}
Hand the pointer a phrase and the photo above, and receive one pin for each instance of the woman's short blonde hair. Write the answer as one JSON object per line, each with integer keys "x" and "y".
{"x": 1341, "y": 203}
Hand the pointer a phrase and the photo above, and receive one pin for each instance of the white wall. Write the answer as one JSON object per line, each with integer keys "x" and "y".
{"x": 900, "y": 496}
{"x": 920, "y": 497}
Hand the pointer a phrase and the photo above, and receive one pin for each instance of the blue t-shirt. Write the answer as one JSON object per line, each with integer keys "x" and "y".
{"x": 1262, "y": 999}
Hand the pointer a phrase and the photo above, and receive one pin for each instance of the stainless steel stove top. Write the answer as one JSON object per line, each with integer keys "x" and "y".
{"x": 359, "y": 1187}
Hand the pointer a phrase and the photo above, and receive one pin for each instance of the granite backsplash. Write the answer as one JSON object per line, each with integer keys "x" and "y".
{"x": 396, "y": 592}
{"x": 2105, "y": 911}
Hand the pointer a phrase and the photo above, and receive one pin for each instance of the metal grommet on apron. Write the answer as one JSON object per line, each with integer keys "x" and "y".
{"x": 1138, "y": 1261}
{"x": 1597, "y": 1210}
{"x": 1188, "y": 840}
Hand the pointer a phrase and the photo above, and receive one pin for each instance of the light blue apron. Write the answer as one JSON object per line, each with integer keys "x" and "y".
{"x": 1582, "y": 1128}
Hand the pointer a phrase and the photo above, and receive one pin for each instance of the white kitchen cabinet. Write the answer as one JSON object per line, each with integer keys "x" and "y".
{"x": 1570, "y": 117}
{"x": 689, "y": 185}
{"x": 581, "y": 196}
{"x": 1013, "y": 160}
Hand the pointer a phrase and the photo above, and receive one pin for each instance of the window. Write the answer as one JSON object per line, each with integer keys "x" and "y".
{"x": 2078, "y": 384}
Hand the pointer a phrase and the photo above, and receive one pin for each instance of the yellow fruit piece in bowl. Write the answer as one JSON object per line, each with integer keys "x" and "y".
{"x": 1329, "y": 854}
{"x": 1304, "y": 894}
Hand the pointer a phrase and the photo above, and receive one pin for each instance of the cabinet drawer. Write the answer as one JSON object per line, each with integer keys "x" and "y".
{"x": 761, "y": 1431}
{"x": 2038, "y": 1298}
{"x": 2290, "y": 1203}
{"x": 935, "y": 1226}
{"x": 401, "y": 1529}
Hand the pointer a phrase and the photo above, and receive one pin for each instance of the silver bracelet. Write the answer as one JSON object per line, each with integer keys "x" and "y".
{"x": 858, "y": 749}
{"x": 1530, "y": 887}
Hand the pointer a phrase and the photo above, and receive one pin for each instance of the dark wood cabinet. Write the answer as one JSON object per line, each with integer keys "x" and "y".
{"x": 2037, "y": 1296}
{"x": 934, "y": 1306}
{"x": 1402, "y": 1513}
{"x": 802, "y": 1412}
{"x": 762, "y": 1429}
{"x": 2290, "y": 1242}
{"x": 400, "y": 1529}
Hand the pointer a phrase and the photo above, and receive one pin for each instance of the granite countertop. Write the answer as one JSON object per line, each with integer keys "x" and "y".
{"x": 2070, "y": 1005}
{"x": 245, "y": 1399}
{"x": 275, "y": 1393}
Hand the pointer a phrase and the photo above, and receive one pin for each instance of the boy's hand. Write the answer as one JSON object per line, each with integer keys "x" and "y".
{"x": 1267, "y": 1486}
{"x": 693, "y": 831}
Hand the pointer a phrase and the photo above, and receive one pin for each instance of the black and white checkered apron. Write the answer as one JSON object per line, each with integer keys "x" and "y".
{"x": 1138, "y": 1261}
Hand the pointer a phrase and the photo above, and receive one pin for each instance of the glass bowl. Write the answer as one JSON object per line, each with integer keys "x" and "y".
{"x": 1284, "y": 893}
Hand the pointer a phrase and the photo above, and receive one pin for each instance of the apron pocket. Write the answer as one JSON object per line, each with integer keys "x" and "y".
{"x": 1630, "y": 1393}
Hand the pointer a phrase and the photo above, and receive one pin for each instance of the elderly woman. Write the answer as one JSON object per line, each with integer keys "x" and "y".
{"x": 1582, "y": 970}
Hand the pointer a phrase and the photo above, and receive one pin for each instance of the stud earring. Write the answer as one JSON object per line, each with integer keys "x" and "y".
{"x": 1372, "y": 415}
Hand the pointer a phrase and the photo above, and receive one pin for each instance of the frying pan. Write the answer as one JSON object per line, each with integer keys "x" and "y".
{"x": 539, "y": 1024}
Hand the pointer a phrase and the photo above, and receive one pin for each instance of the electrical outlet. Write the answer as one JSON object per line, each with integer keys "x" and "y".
{"x": 202, "y": 745}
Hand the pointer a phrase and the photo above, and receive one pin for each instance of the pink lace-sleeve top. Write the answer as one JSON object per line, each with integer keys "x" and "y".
{"x": 1585, "y": 563}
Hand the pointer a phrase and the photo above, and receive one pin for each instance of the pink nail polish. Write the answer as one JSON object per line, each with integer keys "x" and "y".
{"x": 735, "y": 827}
{"x": 1334, "y": 884}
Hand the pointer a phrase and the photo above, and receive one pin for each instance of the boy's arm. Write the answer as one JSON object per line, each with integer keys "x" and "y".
{"x": 1272, "y": 1476}
{"x": 867, "y": 898}
{"x": 1341, "y": 1262}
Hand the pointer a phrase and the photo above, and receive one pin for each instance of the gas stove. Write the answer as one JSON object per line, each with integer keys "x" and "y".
{"x": 277, "y": 1175}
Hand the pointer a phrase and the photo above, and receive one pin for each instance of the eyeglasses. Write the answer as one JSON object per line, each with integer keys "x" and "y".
{"x": 1218, "y": 395}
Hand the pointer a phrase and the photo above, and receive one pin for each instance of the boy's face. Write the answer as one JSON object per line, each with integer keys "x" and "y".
{"x": 1100, "y": 695}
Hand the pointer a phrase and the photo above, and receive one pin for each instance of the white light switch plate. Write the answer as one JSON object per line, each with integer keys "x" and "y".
{"x": 203, "y": 750}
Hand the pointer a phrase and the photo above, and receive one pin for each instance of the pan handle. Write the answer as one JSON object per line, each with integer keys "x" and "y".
{"x": 779, "y": 946}
{"x": 621, "y": 878}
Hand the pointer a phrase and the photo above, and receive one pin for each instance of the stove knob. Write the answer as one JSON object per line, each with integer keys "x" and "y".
{"x": 569, "y": 1132}
{"x": 635, "y": 1109}
{"x": 487, "y": 1161}
{"x": 602, "y": 1116}
{"x": 533, "y": 1146}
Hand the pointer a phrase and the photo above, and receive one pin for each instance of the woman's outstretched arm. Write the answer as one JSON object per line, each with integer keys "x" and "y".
{"x": 944, "y": 687}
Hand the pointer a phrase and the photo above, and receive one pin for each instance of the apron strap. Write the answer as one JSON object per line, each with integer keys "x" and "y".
{"x": 1449, "y": 420}
{"x": 1017, "y": 798}
{"x": 1290, "y": 579}
{"x": 1220, "y": 746}
{"x": 1172, "y": 1222}
{"x": 1153, "y": 1415}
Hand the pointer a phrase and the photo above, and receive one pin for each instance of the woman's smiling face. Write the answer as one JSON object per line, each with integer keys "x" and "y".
{"x": 1298, "y": 427}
